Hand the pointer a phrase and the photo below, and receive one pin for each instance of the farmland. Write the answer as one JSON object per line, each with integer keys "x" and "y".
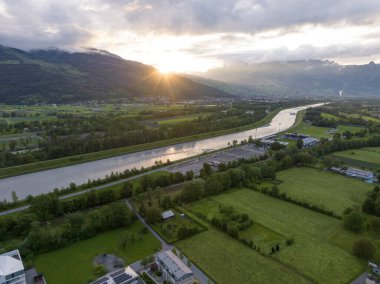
{"x": 366, "y": 157}
{"x": 308, "y": 256}
{"x": 331, "y": 191}
{"x": 322, "y": 132}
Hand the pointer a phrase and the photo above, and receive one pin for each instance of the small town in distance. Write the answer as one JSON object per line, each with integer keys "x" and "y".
{"x": 189, "y": 142}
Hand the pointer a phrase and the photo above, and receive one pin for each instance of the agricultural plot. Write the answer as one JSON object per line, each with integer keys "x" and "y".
{"x": 322, "y": 132}
{"x": 329, "y": 116}
{"x": 311, "y": 254}
{"x": 367, "y": 157}
{"x": 214, "y": 249}
{"x": 169, "y": 229}
{"x": 184, "y": 118}
{"x": 74, "y": 264}
{"x": 328, "y": 190}
{"x": 260, "y": 235}
{"x": 365, "y": 117}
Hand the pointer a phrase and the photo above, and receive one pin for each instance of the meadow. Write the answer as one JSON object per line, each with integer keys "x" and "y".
{"x": 367, "y": 157}
{"x": 331, "y": 191}
{"x": 322, "y": 132}
{"x": 74, "y": 264}
{"x": 214, "y": 249}
{"x": 312, "y": 253}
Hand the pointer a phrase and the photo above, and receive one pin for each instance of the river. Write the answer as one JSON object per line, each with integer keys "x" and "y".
{"x": 46, "y": 181}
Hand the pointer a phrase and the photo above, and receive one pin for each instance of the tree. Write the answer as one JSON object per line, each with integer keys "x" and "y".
{"x": 299, "y": 144}
{"x": 354, "y": 222}
{"x": 166, "y": 202}
{"x": 14, "y": 197}
{"x": 153, "y": 215}
{"x": 189, "y": 175}
{"x": 46, "y": 206}
{"x": 363, "y": 248}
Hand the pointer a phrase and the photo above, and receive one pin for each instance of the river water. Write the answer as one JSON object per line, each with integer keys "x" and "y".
{"x": 46, "y": 181}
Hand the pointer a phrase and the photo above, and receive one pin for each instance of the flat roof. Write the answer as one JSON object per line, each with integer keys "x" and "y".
{"x": 176, "y": 267}
{"x": 10, "y": 262}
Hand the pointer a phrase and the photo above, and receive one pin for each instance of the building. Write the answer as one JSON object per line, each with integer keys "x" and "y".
{"x": 309, "y": 142}
{"x": 173, "y": 269}
{"x": 167, "y": 215}
{"x": 295, "y": 136}
{"x": 357, "y": 173}
{"x": 122, "y": 276}
{"x": 12, "y": 268}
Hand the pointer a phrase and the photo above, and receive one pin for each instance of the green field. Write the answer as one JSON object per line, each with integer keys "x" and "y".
{"x": 181, "y": 119}
{"x": 332, "y": 191}
{"x": 226, "y": 260}
{"x": 74, "y": 264}
{"x": 365, "y": 117}
{"x": 50, "y": 164}
{"x": 329, "y": 116}
{"x": 314, "y": 254}
{"x": 366, "y": 157}
{"x": 168, "y": 229}
{"x": 260, "y": 235}
{"x": 322, "y": 132}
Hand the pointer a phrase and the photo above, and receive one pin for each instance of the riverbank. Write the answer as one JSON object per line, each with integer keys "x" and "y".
{"x": 73, "y": 160}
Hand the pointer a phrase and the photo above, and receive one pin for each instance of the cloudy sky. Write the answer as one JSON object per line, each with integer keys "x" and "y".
{"x": 196, "y": 35}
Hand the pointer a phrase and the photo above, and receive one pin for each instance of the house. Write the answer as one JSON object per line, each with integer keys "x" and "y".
{"x": 12, "y": 268}
{"x": 309, "y": 142}
{"x": 122, "y": 276}
{"x": 173, "y": 269}
{"x": 167, "y": 215}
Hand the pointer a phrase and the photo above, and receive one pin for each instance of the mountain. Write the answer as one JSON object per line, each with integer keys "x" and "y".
{"x": 297, "y": 78}
{"x": 57, "y": 76}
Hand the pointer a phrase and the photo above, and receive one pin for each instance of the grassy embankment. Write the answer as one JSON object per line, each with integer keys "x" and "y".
{"x": 62, "y": 162}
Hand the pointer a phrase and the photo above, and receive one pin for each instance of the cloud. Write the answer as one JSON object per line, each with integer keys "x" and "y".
{"x": 213, "y": 30}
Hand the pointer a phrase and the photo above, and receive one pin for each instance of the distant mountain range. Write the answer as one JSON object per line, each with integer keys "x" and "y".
{"x": 57, "y": 76}
{"x": 296, "y": 78}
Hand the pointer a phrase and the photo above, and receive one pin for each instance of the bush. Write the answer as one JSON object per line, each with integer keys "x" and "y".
{"x": 363, "y": 248}
{"x": 354, "y": 222}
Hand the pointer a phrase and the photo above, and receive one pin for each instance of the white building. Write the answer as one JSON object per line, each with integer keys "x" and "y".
{"x": 122, "y": 276}
{"x": 309, "y": 142}
{"x": 11, "y": 268}
{"x": 167, "y": 215}
{"x": 173, "y": 269}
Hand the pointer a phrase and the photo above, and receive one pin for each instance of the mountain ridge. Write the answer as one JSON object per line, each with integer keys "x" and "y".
{"x": 300, "y": 78}
{"x": 59, "y": 76}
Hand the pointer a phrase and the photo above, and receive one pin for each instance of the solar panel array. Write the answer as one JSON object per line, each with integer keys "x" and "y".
{"x": 103, "y": 280}
{"x": 122, "y": 278}
{"x": 117, "y": 272}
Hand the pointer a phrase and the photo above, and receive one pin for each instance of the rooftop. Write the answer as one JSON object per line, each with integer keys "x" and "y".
{"x": 174, "y": 265}
{"x": 10, "y": 262}
{"x": 167, "y": 214}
